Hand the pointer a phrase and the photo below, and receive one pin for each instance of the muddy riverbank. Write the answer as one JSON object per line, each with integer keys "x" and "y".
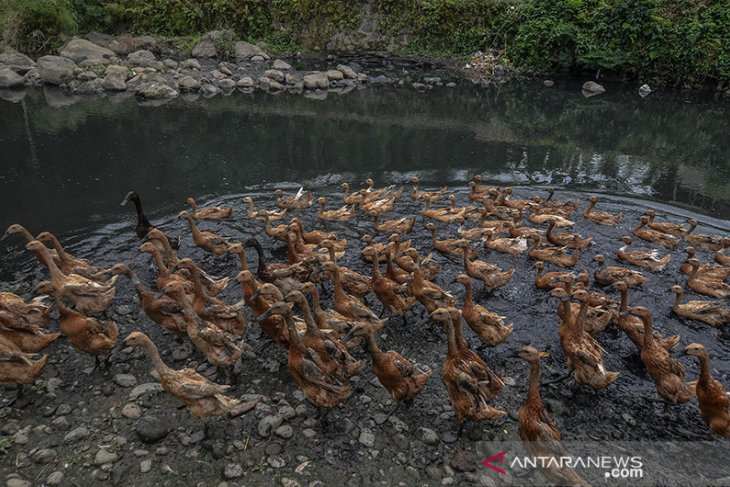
{"x": 113, "y": 426}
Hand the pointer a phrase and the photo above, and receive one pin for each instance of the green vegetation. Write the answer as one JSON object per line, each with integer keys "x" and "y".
{"x": 681, "y": 42}
{"x": 34, "y": 25}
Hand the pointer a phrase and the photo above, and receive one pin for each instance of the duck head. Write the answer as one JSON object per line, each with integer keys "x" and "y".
{"x": 441, "y": 314}
{"x": 14, "y": 229}
{"x": 280, "y": 308}
{"x": 136, "y": 339}
{"x": 131, "y": 196}
{"x": 530, "y": 354}
{"x": 696, "y": 350}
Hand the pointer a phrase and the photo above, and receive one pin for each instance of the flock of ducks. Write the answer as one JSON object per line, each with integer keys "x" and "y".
{"x": 284, "y": 298}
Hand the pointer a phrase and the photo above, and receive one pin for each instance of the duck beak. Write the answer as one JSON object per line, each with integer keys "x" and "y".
{"x": 267, "y": 314}
{"x": 5, "y": 235}
{"x": 255, "y": 295}
{"x": 159, "y": 294}
{"x": 125, "y": 200}
{"x": 350, "y": 335}
{"x": 544, "y": 354}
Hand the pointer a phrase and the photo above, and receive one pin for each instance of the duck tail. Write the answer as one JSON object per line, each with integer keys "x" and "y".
{"x": 39, "y": 365}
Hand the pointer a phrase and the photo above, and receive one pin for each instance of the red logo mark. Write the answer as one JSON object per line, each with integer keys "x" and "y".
{"x": 498, "y": 457}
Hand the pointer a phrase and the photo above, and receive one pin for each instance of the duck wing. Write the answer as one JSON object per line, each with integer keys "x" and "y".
{"x": 195, "y": 386}
{"x": 314, "y": 374}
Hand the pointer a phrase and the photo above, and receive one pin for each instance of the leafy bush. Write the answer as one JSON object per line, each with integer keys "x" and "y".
{"x": 34, "y": 25}
{"x": 680, "y": 41}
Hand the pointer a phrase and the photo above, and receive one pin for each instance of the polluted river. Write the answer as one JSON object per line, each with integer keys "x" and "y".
{"x": 66, "y": 169}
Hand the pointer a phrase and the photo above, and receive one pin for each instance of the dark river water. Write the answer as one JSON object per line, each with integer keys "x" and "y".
{"x": 67, "y": 167}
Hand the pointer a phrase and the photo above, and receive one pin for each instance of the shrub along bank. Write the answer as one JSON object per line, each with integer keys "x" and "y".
{"x": 681, "y": 42}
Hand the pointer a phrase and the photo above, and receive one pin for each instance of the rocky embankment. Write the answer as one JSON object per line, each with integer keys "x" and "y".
{"x": 154, "y": 69}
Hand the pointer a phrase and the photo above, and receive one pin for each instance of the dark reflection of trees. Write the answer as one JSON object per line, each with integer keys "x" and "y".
{"x": 91, "y": 152}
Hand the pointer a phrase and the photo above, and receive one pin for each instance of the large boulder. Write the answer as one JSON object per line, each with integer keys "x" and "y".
{"x": 17, "y": 61}
{"x": 188, "y": 84}
{"x": 205, "y": 49}
{"x": 78, "y": 50}
{"x": 316, "y": 81}
{"x": 9, "y": 78}
{"x": 347, "y": 71}
{"x": 98, "y": 38}
{"x": 123, "y": 45}
{"x": 56, "y": 70}
{"x": 114, "y": 82}
{"x": 142, "y": 58}
{"x": 154, "y": 91}
{"x": 207, "y": 46}
{"x": 591, "y": 88}
{"x": 246, "y": 52}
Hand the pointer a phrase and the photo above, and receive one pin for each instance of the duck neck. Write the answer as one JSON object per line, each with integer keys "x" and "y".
{"x": 169, "y": 253}
{"x": 705, "y": 373}
{"x": 624, "y": 300}
{"x": 261, "y": 269}
{"x": 459, "y": 332}
{"x": 141, "y": 289}
{"x": 426, "y": 206}
{"x": 389, "y": 264}
{"x": 295, "y": 340}
{"x": 376, "y": 268}
{"x": 45, "y": 256}
{"x": 198, "y": 283}
{"x": 315, "y": 301}
{"x": 291, "y": 251}
{"x": 142, "y": 220}
{"x": 162, "y": 269}
{"x": 372, "y": 344}
{"x": 191, "y": 318}
{"x": 587, "y": 211}
{"x": 244, "y": 261}
{"x": 693, "y": 272}
{"x": 567, "y": 309}
{"x": 692, "y": 227}
{"x": 193, "y": 226}
{"x": 648, "y": 330}
{"x": 154, "y": 356}
{"x": 339, "y": 292}
{"x": 550, "y": 230}
{"x": 467, "y": 262}
{"x": 25, "y": 234}
{"x": 249, "y": 203}
{"x": 451, "y": 339}
{"x": 580, "y": 320}
{"x": 309, "y": 318}
{"x": 540, "y": 270}
{"x": 417, "y": 275}
{"x": 468, "y": 294}
{"x": 64, "y": 256}
{"x": 194, "y": 208}
{"x": 533, "y": 391}
{"x": 677, "y": 300}
{"x": 333, "y": 255}
{"x": 433, "y": 237}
